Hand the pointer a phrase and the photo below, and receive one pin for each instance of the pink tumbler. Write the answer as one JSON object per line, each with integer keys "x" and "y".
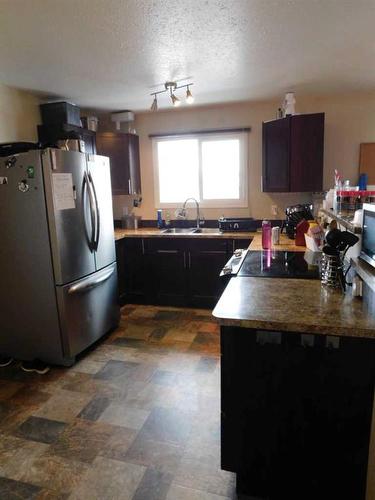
{"x": 266, "y": 234}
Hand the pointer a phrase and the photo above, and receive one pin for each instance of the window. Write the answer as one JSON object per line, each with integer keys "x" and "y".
{"x": 209, "y": 167}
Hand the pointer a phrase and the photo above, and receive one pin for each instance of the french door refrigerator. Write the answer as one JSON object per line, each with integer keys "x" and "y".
{"x": 58, "y": 273}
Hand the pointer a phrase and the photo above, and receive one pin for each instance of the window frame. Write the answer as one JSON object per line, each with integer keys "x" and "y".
{"x": 242, "y": 202}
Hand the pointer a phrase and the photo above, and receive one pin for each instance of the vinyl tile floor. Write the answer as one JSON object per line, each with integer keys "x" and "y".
{"x": 137, "y": 417}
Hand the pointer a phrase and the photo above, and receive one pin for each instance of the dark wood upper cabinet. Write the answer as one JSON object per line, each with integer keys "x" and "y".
{"x": 123, "y": 152}
{"x": 293, "y": 154}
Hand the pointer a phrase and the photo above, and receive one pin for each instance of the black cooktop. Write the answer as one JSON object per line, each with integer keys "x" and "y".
{"x": 278, "y": 264}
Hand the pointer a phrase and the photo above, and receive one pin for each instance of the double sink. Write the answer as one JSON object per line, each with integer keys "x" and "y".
{"x": 191, "y": 230}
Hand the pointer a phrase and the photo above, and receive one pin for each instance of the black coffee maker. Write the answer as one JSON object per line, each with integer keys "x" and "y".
{"x": 294, "y": 214}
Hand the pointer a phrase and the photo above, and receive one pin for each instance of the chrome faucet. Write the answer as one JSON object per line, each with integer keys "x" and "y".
{"x": 181, "y": 214}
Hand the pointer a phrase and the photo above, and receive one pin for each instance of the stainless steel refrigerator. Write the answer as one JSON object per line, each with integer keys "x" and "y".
{"x": 58, "y": 274}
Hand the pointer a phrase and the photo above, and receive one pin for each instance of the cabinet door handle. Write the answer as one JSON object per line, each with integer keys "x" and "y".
{"x": 143, "y": 246}
{"x": 167, "y": 251}
{"x": 189, "y": 260}
{"x": 184, "y": 260}
{"x": 130, "y": 186}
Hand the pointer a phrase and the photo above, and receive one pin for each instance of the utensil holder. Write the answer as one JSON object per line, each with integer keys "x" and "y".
{"x": 332, "y": 271}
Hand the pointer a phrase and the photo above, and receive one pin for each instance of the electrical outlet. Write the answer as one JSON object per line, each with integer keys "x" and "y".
{"x": 274, "y": 209}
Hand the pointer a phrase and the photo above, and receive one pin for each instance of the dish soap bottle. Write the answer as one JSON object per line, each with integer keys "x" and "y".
{"x": 160, "y": 219}
{"x": 266, "y": 234}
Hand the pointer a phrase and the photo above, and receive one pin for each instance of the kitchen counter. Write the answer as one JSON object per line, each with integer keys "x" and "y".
{"x": 153, "y": 232}
{"x": 286, "y": 244}
{"x": 288, "y": 395}
{"x": 293, "y": 305}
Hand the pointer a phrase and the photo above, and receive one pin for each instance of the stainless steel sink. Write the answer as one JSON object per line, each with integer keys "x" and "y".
{"x": 207, "y": 230}
{"x": 178, "y": 230}
{"x": 191, "y": 230}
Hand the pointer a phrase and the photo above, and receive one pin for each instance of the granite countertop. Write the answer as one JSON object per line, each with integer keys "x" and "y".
{"x": 293, "y": 305}
{"x": 286, "y": 244}
{"x": 153, "y": 232}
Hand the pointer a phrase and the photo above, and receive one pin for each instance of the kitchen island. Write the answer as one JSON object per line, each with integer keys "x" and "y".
{"x": 297, "y": 388}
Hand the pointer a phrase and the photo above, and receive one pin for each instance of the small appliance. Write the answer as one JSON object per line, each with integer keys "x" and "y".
{"x": 368, "y": 234}
{"x": 294, "y": 214}
{"x": 238, "y": 224}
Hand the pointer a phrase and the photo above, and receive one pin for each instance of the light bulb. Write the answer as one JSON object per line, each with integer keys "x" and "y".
{"x": 154, "y": 105}
{"x": 189, "y": 96}
{"x": 175, "y": 100}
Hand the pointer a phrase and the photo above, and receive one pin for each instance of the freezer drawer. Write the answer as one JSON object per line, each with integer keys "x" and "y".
{"x": 88, "y": 309}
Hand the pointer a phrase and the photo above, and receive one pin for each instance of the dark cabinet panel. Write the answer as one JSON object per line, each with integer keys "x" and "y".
{"x": 276, "y": 143}
{"x": 166, "y": 269}
{"x": 242, "y": 243}
{"x": 293, "y": 153}
{"x": 306, "y": 154}
{"x": 123, "y": 152}
{"x": 296, "y": 418}
{"x": 120, "y": 257}
{"x": 132, "y": 272}
{"x": 168, "y": 277}
{"x": 134, "y": 164}
{"x": 206, "y": 258}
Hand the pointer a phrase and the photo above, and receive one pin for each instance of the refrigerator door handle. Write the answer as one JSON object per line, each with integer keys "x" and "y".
{"x": 97, "y": 214}
{"x": 89, "y": 283}
{"x": 86, "y": 185}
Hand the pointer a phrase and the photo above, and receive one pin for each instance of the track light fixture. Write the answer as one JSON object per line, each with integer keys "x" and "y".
{"x": 175, "y": 101}
{"x": 154, "y": 105}
{"x": 189, "y": 96}
{"x": 171, "y": 87}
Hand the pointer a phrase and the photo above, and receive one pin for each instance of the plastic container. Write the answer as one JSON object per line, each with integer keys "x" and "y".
{"x": 56, "y": 113}
{"x": 362, "y": 182}
{"x": 275, "y": 232}
{"x": 90, "y": 122}
{"x": 266, "y": 234}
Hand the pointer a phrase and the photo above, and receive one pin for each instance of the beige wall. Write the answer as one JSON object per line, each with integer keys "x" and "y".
{"x": 19, "y": 115}
{"x": 350, "y": 119}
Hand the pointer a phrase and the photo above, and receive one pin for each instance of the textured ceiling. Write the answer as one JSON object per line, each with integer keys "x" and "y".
{"x": 111, "y": 54}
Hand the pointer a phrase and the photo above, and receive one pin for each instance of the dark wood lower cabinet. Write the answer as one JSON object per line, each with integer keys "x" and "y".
{"x": 166, "y": 271}
{"x": 173, "y": 271}
{"x": 296, "y": 420}
{"x": 132, "y": 275}
{"x": 205, "y": 261}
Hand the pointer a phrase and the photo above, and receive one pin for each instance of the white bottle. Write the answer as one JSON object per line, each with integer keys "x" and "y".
{"x": 289, "y": 104}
